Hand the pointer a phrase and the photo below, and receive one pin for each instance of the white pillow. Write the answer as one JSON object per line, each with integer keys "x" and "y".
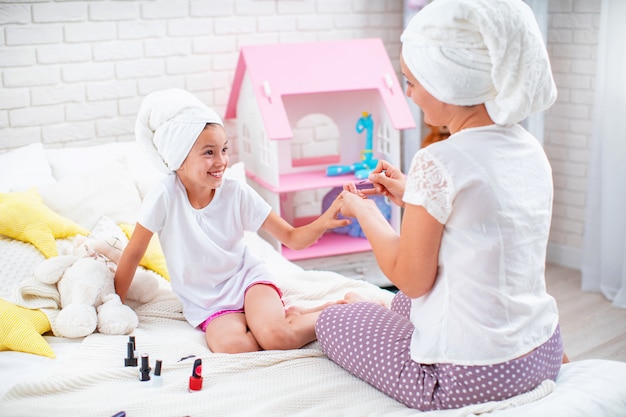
{"x": 140, "y": 166}
{"x": 17, "y": 261}
{"x": 23, "y": 168}
{"x": 108, "y": 190}
{"x": 77, "y": 161}
{"x": 143, "y": 170}
{"x": 71, "y": 162}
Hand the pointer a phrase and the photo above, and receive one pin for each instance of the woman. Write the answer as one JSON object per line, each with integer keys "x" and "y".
{"x": 472, "y": 321}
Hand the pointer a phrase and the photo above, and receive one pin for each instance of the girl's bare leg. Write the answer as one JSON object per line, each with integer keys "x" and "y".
{"x": 272, "y": 326}
{"x": 277, "y": 328}
{"x": 230, "y": 334}
{"x": 266, "y": 324}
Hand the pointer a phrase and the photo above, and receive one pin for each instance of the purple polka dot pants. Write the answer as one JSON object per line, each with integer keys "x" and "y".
{"x": 373, "y": 343}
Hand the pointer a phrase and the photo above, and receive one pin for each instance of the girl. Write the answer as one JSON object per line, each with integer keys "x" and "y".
{"x": 201, "y": 218}
{"x": 472, "y": 322}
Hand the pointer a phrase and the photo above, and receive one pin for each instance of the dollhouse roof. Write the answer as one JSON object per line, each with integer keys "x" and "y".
{"x": 319, "y": 67}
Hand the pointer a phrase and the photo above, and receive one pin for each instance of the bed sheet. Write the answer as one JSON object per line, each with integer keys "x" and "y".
{"x": 92, "y": 381}
{"x": 89, "y": 377}
{"x": 16, "y": 367}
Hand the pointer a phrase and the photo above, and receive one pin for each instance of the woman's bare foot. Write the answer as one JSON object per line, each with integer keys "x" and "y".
{"x": 352, "y": 297}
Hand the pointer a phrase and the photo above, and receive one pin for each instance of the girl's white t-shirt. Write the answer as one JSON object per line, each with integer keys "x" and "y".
{"x": 491, "y": 188}
{"x": 208, "y": 262}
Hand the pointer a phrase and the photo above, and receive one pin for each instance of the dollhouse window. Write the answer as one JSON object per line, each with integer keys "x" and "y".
{"x": 264, "y": 150}
{"x": 384, "y": 140}
{"x": 247, "y": 146}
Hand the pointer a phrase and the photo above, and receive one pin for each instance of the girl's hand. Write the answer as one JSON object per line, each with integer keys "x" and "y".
{"x": 351, "y": 188}
{"x": 353, "y": 202}
{"x": 388, "y": 181}
{"x": 329, "y": 217}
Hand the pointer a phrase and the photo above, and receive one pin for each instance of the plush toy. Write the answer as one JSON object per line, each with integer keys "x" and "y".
{"x": 84, "y": 280}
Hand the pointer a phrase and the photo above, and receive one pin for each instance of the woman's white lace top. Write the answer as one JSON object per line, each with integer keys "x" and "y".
{"x": 491, "y": 188}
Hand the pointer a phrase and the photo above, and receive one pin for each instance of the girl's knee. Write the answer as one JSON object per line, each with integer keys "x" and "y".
{"x": 233, "y": 343}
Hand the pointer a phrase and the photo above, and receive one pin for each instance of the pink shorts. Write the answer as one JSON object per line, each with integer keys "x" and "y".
{"x": 219, "y": 313}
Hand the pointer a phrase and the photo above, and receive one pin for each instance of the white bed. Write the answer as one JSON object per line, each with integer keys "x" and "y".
{"x": 88, "y": 376}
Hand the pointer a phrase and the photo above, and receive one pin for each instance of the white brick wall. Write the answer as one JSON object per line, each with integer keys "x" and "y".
{"x": 73, "y": 73}
{"x": 572, "y": 45}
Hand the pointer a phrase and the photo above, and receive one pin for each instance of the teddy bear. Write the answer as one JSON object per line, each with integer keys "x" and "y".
{"x": 85, "y": 282}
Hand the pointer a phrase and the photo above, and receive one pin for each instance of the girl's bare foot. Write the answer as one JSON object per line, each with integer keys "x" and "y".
{"x": 297, "y": 310}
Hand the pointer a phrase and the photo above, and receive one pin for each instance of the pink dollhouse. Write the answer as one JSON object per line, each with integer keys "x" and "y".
{"x": 277, "y": 85}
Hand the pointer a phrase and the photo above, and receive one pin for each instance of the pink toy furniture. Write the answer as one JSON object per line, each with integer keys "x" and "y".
{"x": 277, "y": 85}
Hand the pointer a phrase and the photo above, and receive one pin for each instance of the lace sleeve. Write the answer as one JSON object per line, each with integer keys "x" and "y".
{"x": 429, "y": 185}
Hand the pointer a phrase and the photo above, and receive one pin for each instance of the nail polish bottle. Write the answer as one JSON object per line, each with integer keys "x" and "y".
{"x": 157, "y": 381}
{"x": 130, "y": 359}
{"x": 144, "y": 371}
{"x": 195, "y": 380}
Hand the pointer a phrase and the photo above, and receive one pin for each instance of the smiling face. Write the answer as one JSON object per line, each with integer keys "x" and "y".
{"x": 202, "y": 170}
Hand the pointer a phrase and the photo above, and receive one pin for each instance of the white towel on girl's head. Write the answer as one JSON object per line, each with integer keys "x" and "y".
{"x": 168, "y": 124}
{"x": 467, "y": 52}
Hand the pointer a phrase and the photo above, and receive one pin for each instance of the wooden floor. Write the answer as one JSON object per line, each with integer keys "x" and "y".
{"x": 591, "y": 327}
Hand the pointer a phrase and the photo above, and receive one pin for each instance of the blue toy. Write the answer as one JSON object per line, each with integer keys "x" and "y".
{"x": 361, "y": 169}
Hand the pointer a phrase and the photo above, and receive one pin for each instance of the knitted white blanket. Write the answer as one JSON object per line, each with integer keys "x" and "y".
{"x": 271, "y": 383}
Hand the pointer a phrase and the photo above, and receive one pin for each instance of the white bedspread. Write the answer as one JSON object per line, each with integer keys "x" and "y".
{"x": 92, "y": 380}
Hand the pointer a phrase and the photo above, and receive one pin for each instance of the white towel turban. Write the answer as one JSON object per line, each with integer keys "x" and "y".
{"x": 468, "y": 52}
{"x": 168, "y": 124}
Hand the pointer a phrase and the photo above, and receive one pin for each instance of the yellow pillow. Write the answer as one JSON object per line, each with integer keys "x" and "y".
{"x": 21, "y": 330}
{"x": 24, "y": 216}
{"x": 153, "y": 259}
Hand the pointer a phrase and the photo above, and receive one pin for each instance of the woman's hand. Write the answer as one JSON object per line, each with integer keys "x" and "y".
{"x": 388, "y": 181}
